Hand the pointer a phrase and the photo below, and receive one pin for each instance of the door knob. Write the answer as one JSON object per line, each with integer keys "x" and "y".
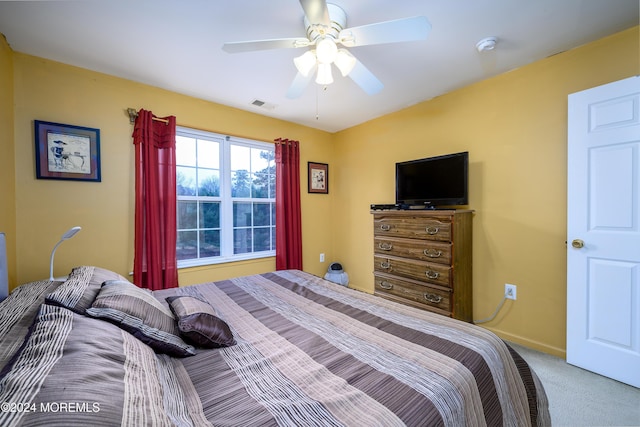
{"x": 577, "y": 243}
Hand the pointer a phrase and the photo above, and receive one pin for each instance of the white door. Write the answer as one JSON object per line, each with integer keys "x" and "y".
{"x": 603, "y": 230}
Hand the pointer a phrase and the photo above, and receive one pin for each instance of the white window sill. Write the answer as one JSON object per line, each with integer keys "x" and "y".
{"x": 223, "y": 260}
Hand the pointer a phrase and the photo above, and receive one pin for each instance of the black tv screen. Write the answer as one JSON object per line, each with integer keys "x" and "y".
{"x": 434, "y": 181}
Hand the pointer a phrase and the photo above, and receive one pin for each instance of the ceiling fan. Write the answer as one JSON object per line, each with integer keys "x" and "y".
{"x": 325, "y": 25}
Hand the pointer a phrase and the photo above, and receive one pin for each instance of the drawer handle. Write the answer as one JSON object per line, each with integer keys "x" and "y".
{"x": 436, "y": 299}
{"x": 385, "y": 227}
{"x": 386, "y": 265}
{"x": 385, "y": 246}
{"x": 432, "y": 230}
{"x": 432, "y": 274}
{"x": 432, "y": 253}
{"x": 386, "y": 285}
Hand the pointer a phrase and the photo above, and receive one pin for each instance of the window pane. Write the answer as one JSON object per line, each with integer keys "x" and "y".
{"x": 185, "y": 151}
{"x": 240, "y": 184}
{"x": 187, "y": 245}
{"x": 261, "y": 239}
{"x": 209, "y": 215}
{"x": 187, "y": 214}
{"x": 272, "y": 185}
{"x": 209, "y": 243}
{"x": 241, "y": 240}
{"x": 208, "y": 182}
{"x": 260, "y": 188}
{"x": 259, "y": 160}
{"x": 242, "y": 214}
{"x": 185, "y": 181}
{"x": 208, "y": 154}
{"x": 273, "y": 238}
{"x": 240, "y": 158}
{"x": 261, "y": 214}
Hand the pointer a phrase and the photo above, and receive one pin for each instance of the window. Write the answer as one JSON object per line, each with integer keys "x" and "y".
{"x": 226, "y": 198}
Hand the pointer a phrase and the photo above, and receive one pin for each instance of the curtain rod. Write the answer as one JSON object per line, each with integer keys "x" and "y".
{"x": 133, "y": 114}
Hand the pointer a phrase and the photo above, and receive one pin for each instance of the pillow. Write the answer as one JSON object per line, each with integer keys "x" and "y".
{"x": 199, "y": 324}
{"x": 17, "y": 312}
{"x": 78, "y": 292}
{"x": 138, "y": 312}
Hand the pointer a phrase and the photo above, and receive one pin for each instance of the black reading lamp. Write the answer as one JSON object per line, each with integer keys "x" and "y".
{"x": 66, "y": 236}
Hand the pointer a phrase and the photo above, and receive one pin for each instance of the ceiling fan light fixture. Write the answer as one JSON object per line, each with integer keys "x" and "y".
{"x": 325, "y": 27}
{"x": 326, "y": 50}
{"x": 305, "y": 62}
{"x": 324, "y": 76}
{"x": 345, "y": 61}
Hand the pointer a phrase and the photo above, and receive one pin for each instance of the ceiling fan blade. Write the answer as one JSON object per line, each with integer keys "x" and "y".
{"x": 399, "y": 30}
{"x": 316, "y": 11}
{"x": 365, "y": 79}
{"x": 253, "y": 45}
{"x": 299, "y": 84}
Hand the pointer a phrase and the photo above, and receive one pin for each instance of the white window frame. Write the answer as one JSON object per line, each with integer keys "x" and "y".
{"x": 225, "y": 199}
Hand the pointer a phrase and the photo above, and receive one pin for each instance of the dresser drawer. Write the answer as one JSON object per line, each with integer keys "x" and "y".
{"x": 416, "y": 292}
{"x": 424, "y": 250}
{"x": 437, "y": 274}
{"x": 432, "y": 228}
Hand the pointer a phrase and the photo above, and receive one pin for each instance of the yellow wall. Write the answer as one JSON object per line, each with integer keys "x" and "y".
{"x": 7, "y": 160}
{"x": 514, "y": 127}
{"x": 50, "y": 91}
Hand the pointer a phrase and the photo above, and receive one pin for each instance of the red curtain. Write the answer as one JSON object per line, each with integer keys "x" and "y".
{"x": 155, "y": 264}
{"x": 288, "y": 212}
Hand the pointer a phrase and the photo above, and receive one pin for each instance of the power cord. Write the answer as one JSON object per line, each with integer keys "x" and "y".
{"x": 495, "y": 313}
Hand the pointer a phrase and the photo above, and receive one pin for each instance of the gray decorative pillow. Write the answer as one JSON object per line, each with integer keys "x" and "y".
{"x": 199, "y": 324}
{"x": 78, "y": 292}
{"x": 138, "y": 312}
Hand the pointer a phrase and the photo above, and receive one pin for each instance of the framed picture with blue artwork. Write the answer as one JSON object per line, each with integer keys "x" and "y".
{"x": 67, "y": 152}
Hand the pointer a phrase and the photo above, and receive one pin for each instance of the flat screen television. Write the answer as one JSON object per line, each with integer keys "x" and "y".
{"x": 434, "y": 181}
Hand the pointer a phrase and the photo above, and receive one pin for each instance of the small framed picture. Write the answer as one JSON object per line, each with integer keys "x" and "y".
{"x": 318, "y": 178}
{"x": 67, "y": 152}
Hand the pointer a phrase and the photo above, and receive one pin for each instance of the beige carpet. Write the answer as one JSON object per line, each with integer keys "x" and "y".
{"x": 582, "y": 398}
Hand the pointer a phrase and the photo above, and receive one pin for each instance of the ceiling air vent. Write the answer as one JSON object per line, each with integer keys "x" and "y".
{"x": 263, "y": 104}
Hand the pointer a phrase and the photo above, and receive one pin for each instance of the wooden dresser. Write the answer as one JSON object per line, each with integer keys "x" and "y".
{"x": 423, "y": 258}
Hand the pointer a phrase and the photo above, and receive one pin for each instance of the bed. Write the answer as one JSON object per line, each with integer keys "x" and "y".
{"x": 281, "y": 348}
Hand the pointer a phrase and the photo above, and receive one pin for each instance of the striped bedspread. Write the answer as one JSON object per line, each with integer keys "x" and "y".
{"x": 308, "y": 353}
{"x": 311, "y": 353}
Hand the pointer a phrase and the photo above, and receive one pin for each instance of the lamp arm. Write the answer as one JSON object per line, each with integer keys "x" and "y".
{"x": 66, "y": 236}
{"x": 53, "y": 252}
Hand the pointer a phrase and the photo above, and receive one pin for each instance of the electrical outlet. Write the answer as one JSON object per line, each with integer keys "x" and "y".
{"x": 510, "y": 291}
{"x": 321, "y": 257}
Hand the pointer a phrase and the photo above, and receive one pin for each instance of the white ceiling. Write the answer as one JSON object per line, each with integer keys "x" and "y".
{"x": 176, "y": 45}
